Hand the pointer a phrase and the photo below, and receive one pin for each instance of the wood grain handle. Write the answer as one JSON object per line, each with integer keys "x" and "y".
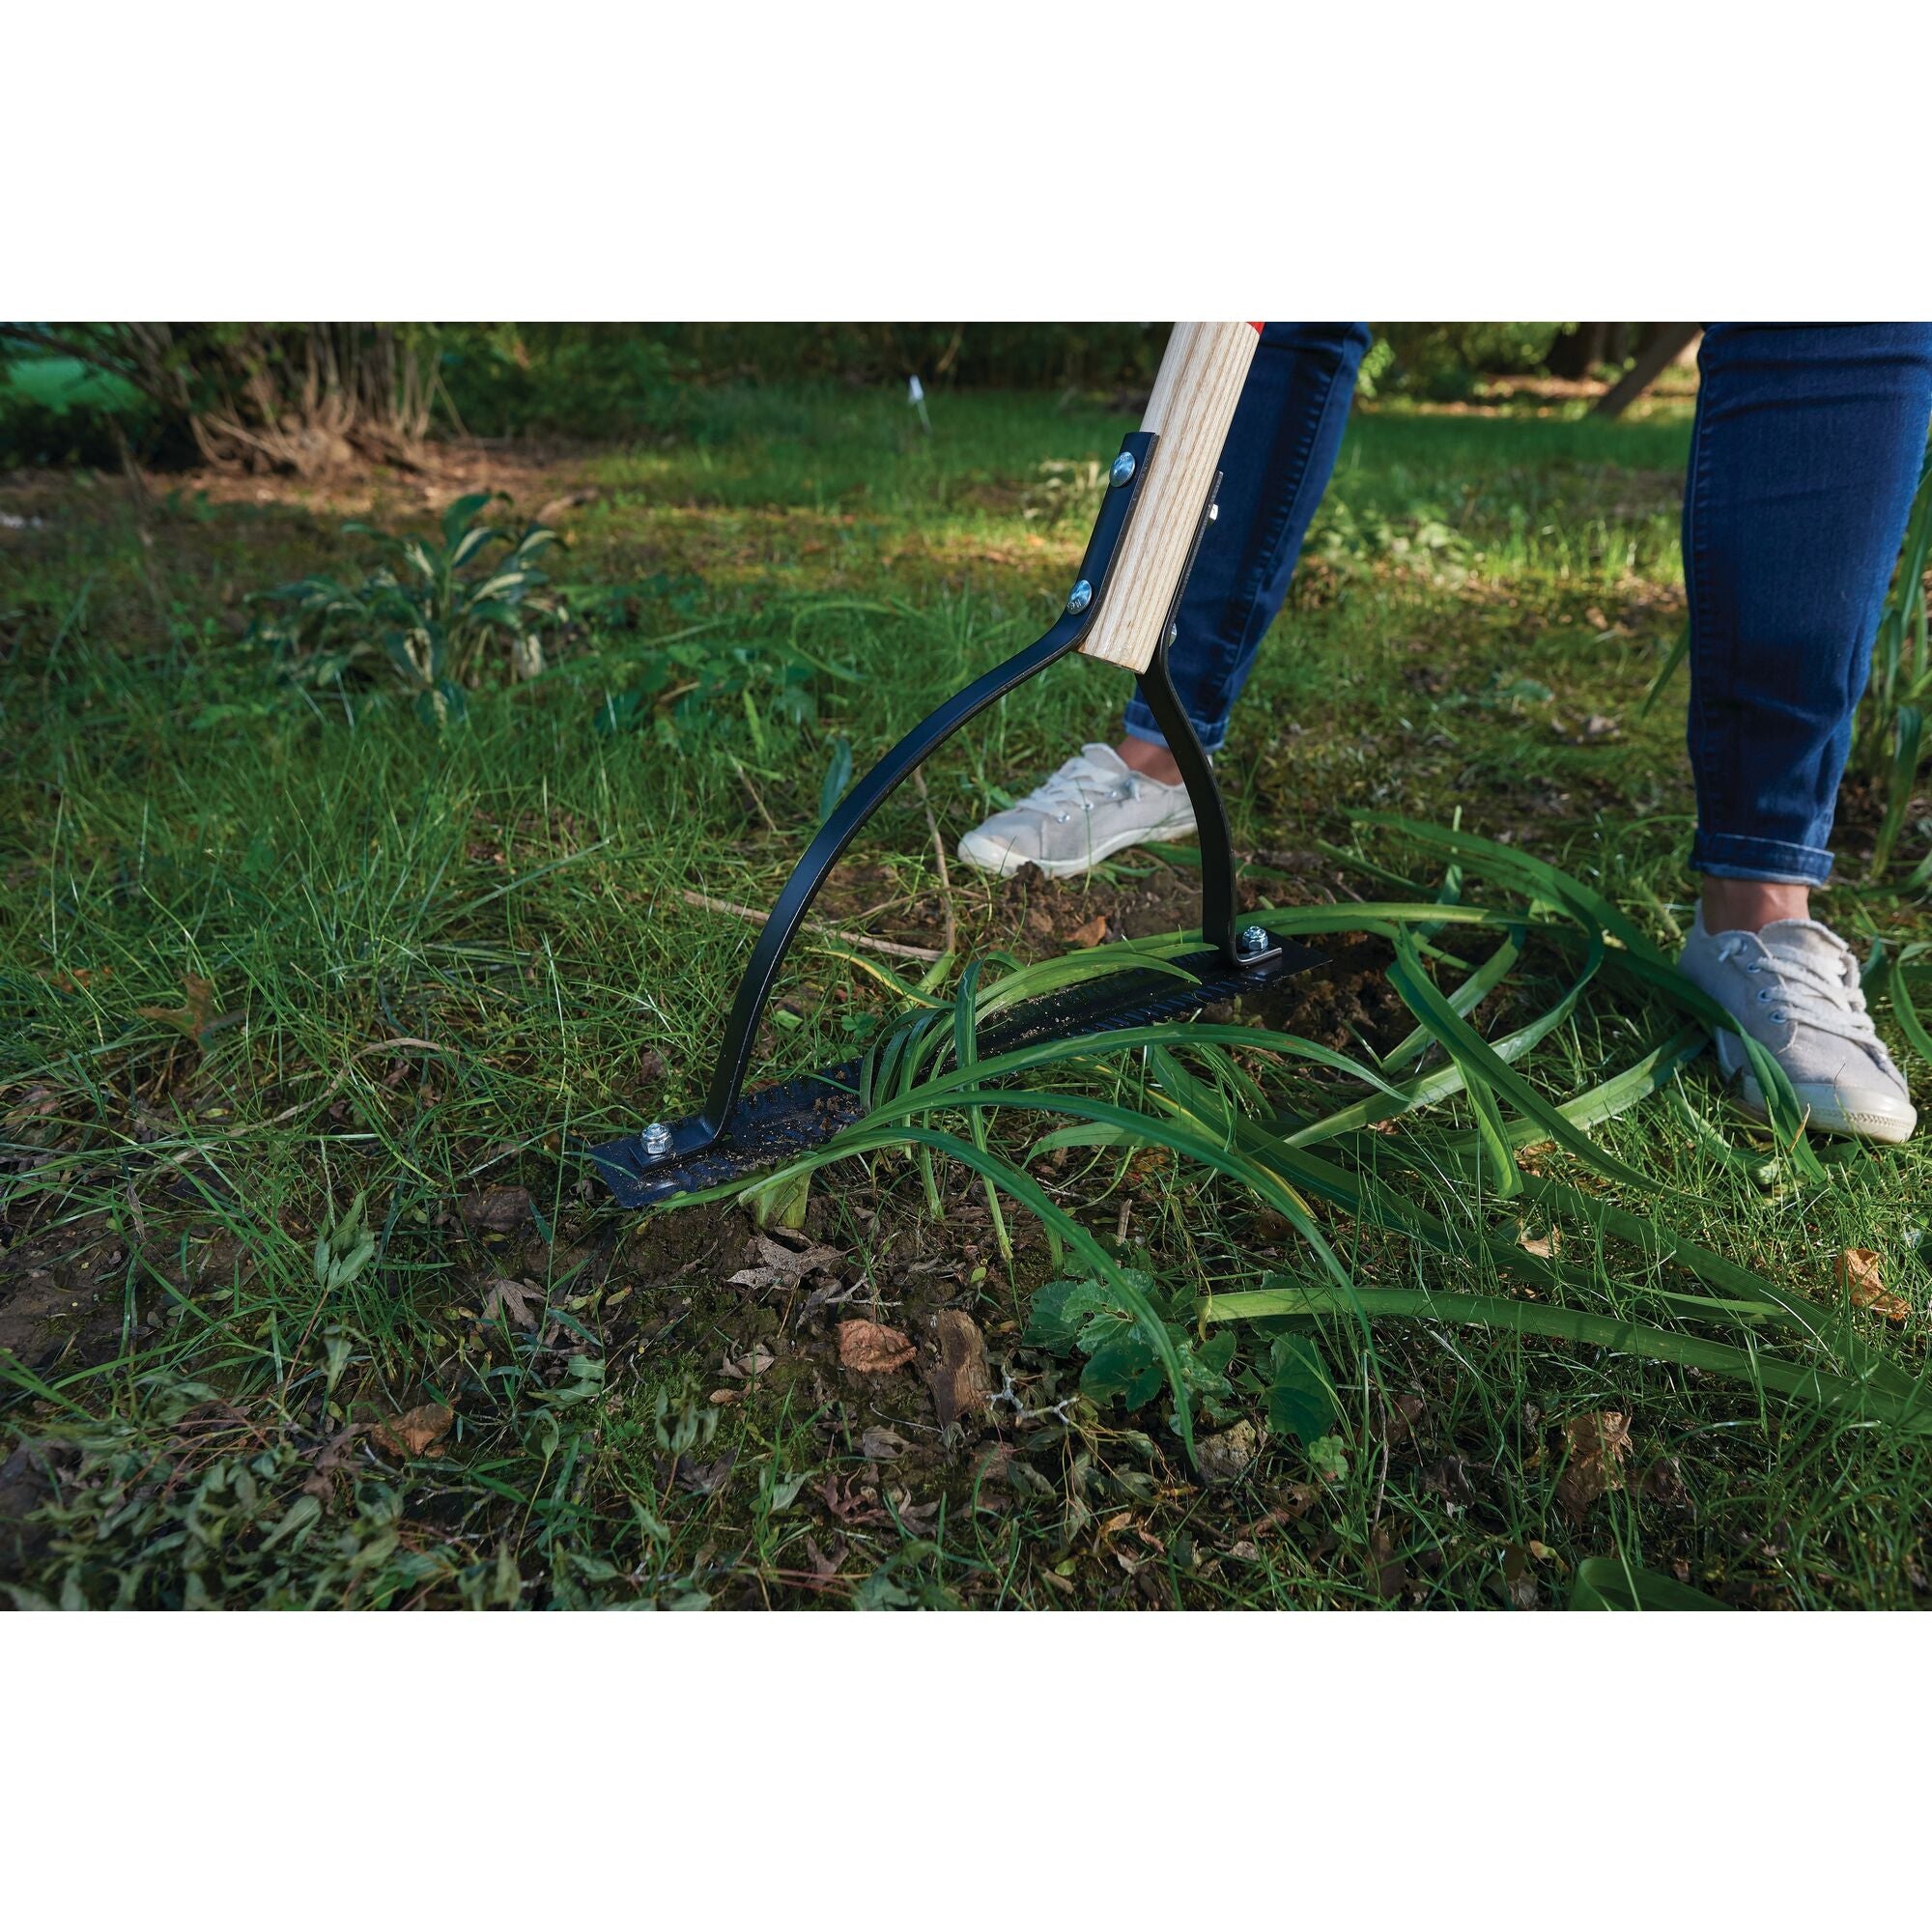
{"x": 1193, "y": 403}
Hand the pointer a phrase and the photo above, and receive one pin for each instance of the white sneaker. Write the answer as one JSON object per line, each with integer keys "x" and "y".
{"x": 1093, "y": 806}
{"x": 1794, "y": 987}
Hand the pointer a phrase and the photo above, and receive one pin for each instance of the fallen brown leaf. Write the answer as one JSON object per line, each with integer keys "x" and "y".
{"x": 853, "y": 1501}
{"x": 417, "y": 1431}
{"x": 193, "y": 1017}
{"x": 882, "y": 1445}
{"x": 1597, "y": 1445}
{"x": 1399, "y": 1424}
{"x": 775, "y": 1266}
{"x": 872, "y": 1349}
{"x": 514, "y": 1298}
{"x": 1859, "y": 1274}
{"x": 755, "y": 1361}
{"x": 918, "y": 1518}
{"x": 1385, "y": 1566}
{"x": 497, "y": 1210}
{"x": 959, "y": 1380}
{"x": 1450, "y": 1480}
{"x": 824, "y": 1568}
{"x": 1090, "y": 934}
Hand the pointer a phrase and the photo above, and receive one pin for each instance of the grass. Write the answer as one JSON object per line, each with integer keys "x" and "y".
{"x": 265, "y": 955}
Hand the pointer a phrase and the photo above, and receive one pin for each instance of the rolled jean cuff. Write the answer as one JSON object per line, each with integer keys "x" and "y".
{"x": 1139, "y": 722}
{"x": 1726, "y": 856}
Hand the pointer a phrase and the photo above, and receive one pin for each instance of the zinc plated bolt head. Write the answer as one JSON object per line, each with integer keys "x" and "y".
{"x": 1123, "y": 471}
{"x": 657, "y": 1139}
{"x": 1079, "y": 597}
{"x": 1254, "y": 939}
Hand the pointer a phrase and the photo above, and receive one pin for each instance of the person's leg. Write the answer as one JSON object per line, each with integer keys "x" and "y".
{"x": 1274, "y": 466}
{"x": 1807, "y": 448}
{"x": 1280, "y": 451}
{"x": 1806, "y": 452}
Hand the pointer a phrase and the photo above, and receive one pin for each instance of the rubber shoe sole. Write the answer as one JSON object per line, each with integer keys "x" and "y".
{"x": 994, "y": 855}
{"x": 1826, "y": 1117}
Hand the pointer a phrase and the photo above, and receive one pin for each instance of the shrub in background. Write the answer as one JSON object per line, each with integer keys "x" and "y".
{"x": 430, "y": 624}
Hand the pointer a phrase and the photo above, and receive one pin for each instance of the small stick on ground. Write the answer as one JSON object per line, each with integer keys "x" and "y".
{"x": 890, "y": 946}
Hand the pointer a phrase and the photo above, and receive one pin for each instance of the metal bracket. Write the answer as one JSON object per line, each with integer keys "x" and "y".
{"x": 677, "y": 1141}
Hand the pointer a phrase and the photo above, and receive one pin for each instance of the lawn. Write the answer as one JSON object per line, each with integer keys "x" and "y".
{"x": 311, "y": 1006}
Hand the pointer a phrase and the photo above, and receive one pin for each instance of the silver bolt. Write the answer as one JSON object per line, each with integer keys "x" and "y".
{"x": 657, "y": 1139}
{"x": 1254, "y": 939}
{"x": 1123, "y": 471}
{"x": 1079, "y": 597}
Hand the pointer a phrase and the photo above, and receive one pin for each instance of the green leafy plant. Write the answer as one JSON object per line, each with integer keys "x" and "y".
{"x": 706, "y": 680}
{"x": 344, "y": 1248}
{"x": 1607, "y": 1584}
{"x": 431, "y": 621}
{"x": 1121, "y": 1363}
{"x": 1184, "y": 1090}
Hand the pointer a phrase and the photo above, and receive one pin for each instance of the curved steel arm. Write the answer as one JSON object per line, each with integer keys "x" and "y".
{"x": 1210, "y": 812}
{"x": 741, "y": 1029}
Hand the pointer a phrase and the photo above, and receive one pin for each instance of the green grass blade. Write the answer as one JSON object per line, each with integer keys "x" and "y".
{"x": 1910, "y": 1412}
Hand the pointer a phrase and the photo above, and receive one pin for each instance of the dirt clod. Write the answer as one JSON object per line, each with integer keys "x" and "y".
{"x": 497, "y": 1210}
{"x": 1225, "y": 1458}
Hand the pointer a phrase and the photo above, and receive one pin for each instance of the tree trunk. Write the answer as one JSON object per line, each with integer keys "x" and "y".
{"x": 1665, "y": 342}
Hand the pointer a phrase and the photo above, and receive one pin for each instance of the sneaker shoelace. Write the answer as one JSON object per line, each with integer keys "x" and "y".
{"x": 1832, "y": 1001}
{"x": 1079, "y": 785}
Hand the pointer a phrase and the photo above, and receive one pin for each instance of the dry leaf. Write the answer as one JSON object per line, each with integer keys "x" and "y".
{"x": 918, "y": 1518}
{"x": 193, "y": 1017}
{"x": 704, "y": 1479}
{"x": 1090, "y": 934}
{"x": 1450, "y": 1480}
{"x": 497, "y": 1210}
{"x": 1385, "y": 1566}
{"x": 755, "y": 1361}
{"x": 1548, "y": 1246}
{"x": 882, "y": 1445}
{"x": 872, "y": 1349}
{"x": 1399, "y": 1423}
{"x": 514, "y": 1298}
{"x": 417, "y": 1431}
{"x": 824, "y": 1568}
{"x": 777, "y": 1266}
{"x": 1859, "y": 1274}
{"x": 1297, "y": 1499}
{"x": 959, "y": 1380}
{"x": 1597, "y": 1445}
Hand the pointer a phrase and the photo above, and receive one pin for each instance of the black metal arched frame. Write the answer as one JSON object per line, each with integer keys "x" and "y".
{"x": 674, "y": 1160}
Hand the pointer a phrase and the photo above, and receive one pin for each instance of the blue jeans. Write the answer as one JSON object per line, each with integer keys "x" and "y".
{"x": 1806, "y": 451}
{"x": 1274, "y": 468}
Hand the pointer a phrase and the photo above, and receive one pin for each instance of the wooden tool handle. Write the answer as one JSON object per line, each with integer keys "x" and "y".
{"x": 1193, "y": 403}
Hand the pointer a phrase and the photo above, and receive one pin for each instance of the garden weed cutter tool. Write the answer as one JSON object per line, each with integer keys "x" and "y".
{"x": 1159, "y": 501}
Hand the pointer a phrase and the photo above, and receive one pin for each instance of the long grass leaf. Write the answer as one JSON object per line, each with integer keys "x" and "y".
{"x": 1909, "y": 1411}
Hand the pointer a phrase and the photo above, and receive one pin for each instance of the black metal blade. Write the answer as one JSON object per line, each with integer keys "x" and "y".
{"x": 776, "y": 1124}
